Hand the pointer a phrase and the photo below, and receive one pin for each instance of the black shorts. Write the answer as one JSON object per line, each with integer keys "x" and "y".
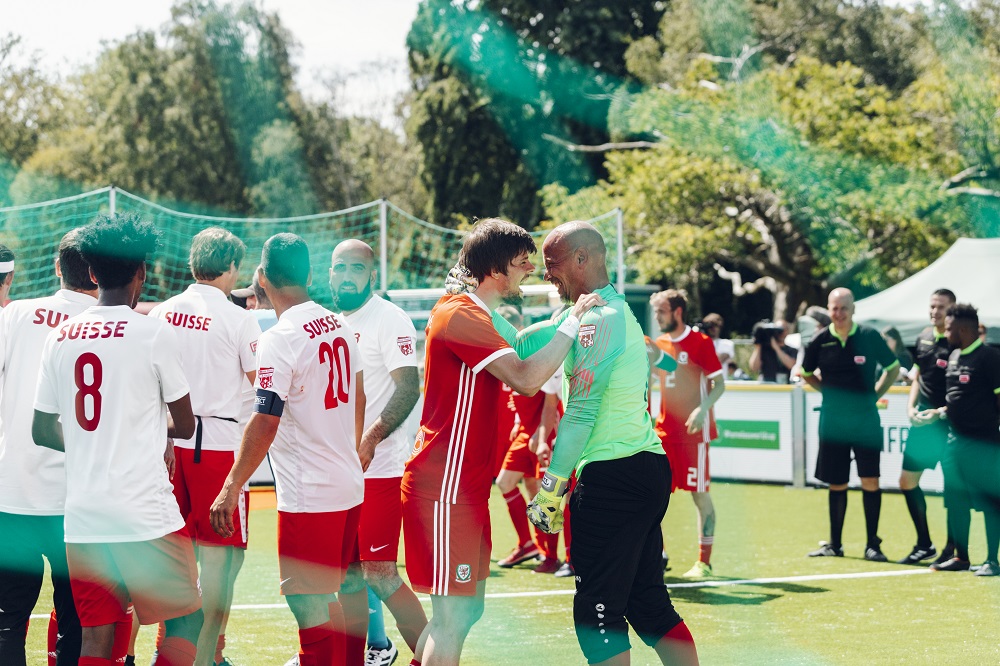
{"x": 972, "y": 473}
{"x": 925, "y": 446}
{"x": 617, "y": 507}
{"x": 840, "y": 436}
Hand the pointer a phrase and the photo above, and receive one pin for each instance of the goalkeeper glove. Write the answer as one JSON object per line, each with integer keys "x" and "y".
{"x": 460, "y": 281}
{"x": 546, "y": 510}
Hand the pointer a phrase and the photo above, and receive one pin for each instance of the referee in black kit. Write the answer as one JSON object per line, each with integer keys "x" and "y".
{"x": 928, "y": 434}
{"x": 971, "y": 461}
{"x": 847, "y": 356}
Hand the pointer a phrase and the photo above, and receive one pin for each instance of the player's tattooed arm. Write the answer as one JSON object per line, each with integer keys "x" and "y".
{"x": 47, "y": 431}
{"x": 401, "y": 403}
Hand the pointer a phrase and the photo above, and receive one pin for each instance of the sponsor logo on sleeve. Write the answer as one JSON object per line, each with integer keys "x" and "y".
{"x": 963, "y": 378}
{"x": 405, "y": 345}
{"x": 587, "y": 334}
{"x": 265, "y": 377}
{"x": 463, "y": 573}
{"x": 859, "y": 360}
{"x": 942, "y": 363}
{"x": 253, "y": 346}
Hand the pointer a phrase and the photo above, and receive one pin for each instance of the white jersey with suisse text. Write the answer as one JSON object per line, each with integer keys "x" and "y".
{"x": 219, "y": 340}
{"x": 309, "y": 360}
{"x": 387, "y": 341}
{"x": 32, "y": 478}
{"x": 109, "y": 373}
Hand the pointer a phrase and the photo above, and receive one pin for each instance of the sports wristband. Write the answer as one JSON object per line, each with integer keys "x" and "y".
{"x": 555, "y": 484}
{"x": 570, "y": 327}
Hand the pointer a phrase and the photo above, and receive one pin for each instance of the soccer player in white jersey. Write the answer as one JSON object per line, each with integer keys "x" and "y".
{"x": 107, "y": 379}
{"x": 309, "y": 385}
{"x": 219, "y": 341}
{"x": 387, "y": 343}
{"x": 32, "y": 479}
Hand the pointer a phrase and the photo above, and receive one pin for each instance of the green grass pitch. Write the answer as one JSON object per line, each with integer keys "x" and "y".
{"x": 763, "y": 532}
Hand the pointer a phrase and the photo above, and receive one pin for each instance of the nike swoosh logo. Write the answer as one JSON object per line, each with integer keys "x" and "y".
{"x": 284, "y": 581}
{"x": 375, "y": 550}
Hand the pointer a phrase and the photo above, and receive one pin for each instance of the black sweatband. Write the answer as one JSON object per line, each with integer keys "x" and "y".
{"x": 268, "y": 402}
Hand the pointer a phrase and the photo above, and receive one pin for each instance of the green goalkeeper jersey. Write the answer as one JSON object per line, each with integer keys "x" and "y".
{"x": 605, "y": 384}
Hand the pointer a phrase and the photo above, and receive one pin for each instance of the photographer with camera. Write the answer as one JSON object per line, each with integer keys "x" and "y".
{"x": 772, "y": 359}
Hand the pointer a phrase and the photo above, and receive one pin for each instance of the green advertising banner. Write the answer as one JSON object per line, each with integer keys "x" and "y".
{"x": 748, "y": 434}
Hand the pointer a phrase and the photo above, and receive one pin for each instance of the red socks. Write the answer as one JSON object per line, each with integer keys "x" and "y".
{"x": 53, "y": 635}
{"x": 548, "y": 544}
{"x": 409, "y": 614}
{"x": 317, "y": 643}
{"x": 175, "y": 651}
{"x": 677, "y": 647}
{"x": 705, "y": 549}
{"x": 123, "y": 634}
{"x": 355, "y": 609}
{"x": 518, "y": 510}
{"x": 220, "y": 645}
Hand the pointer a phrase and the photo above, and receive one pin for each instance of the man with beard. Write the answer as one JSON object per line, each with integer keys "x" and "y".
{"x": 387, "y": 342}
{"x": 446, "y": 482}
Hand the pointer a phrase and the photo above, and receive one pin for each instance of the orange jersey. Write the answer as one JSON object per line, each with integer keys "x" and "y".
{"x": 455, "y": 450}
{"x": 683, "y": 389}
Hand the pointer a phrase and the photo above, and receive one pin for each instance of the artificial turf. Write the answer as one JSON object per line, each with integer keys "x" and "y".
{"x": 763, "y": 532}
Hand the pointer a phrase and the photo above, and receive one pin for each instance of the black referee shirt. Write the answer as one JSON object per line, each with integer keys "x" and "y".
{"x": 932, "y": 359}
{"x": 973, "y": 381}
{"x": 848, "y": 367}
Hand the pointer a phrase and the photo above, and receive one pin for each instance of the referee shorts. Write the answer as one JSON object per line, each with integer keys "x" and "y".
{"x": 842, "y": 435}
{"x": 617, "y": 508}
{"x": 925, "y": 446}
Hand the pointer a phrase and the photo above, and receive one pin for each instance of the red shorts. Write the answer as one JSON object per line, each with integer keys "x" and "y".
{"x": 447, "y": 546}
{"x": 688, "y": 466}
{"x": 159, "y": 577}
{"x": 381, "y": 520}
{"x": 519, "y": 457}
{"x": 196, "y": 485}
{"x": 314, "y": 550}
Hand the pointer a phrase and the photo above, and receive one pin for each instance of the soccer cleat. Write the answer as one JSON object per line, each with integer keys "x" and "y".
{"x": 294, "y": 661}
{"x": 566, "y": 571}
{"x": 827, "y": 550}
{"x": 918, "y": 555}
{"x": 699, "y": 570}
{"x": 226, "y": 661}
{"x": 988, "y": 568}
{"x": 875, "y": 554}
{"x": 548, "y": 565}
{"x": 381, "y": 656}
{"x": 666, "y": 562}
{"x": 520, "y": 554}
{"x": 946, "y": 554}
{"x": 954, "y": 564}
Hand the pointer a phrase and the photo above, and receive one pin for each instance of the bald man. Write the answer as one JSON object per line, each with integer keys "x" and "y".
{"x": 606, "y": 435}
{"x": 387, "y": 342}
{"x": 847, "y": 356}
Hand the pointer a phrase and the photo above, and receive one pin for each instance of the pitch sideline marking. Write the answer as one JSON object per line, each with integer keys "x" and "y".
{"x": 670, "y": 586}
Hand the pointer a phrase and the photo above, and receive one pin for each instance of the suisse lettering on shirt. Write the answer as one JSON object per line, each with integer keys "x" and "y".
{"x": 322, "y": 325}
{"x": 184, "y": 320}
{"x": 50, "y": 318}
{"x": 91, "y": 330}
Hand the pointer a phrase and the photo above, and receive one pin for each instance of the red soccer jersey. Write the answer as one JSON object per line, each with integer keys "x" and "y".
{"x": 683, "y": 389}
{"x": 506, "y": 418}
{"x": 454, "y": 452}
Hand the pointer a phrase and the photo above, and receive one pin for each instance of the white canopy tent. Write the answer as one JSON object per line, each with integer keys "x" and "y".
{"x": 970, "y": 268}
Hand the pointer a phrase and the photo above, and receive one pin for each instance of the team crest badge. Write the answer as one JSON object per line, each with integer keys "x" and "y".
{"x": 587, "y": 334}
{"x": 405, "y": 345}
{"x": 963, "y": 379}
{"x": 463, "y": 573}
{"x": 682, "y": 358}
{"x": 859, "y": 360}
{"x": 265, "y": 377}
